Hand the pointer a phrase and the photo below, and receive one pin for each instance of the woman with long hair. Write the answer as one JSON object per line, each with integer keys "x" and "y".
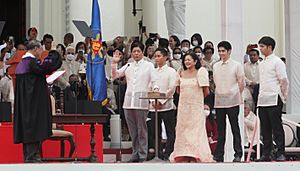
{"x": 191, "y": 144}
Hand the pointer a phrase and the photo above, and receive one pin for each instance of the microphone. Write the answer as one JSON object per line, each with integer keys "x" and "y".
{"x": 124, "y": 68}
{"x": 127, "y": 66}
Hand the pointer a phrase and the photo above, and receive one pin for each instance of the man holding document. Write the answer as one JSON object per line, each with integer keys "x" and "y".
{"x": 32, "y": 117}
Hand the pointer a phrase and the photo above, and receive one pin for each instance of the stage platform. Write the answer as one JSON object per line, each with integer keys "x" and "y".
{"x": 262, "y": 166}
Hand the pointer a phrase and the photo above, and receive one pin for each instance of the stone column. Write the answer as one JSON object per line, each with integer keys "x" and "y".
{"x": 292, "y": 34}
{"x": 175, "y": 16}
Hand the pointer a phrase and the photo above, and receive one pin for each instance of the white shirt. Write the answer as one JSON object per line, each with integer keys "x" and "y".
{"x": 229, "y": 79}
{"x": 7, "y": 90}
{"x": 28, "y": 54}
{"x": 165, "y": 78}
{"x": 273, "y": 81}
{"x": 138, "y": 77}
{"x": 251, "y": 72}
{"x": 71, "y": 67}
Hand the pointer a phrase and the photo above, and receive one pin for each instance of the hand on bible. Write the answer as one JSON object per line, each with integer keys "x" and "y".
{"x": 157, "y": 106}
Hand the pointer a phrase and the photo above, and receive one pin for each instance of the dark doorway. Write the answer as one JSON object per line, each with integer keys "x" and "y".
{"x": 13, "y": 12}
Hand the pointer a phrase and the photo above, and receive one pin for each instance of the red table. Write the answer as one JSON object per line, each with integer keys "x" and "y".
{"x": 13, "y": 153}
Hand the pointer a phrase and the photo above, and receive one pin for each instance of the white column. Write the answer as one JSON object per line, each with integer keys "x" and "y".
{"x": 292, "y": 48}
{"x": 175, "y": 16}
{"x": 232, "y": 31}
{"x": 154, "y": 14}
{"x": 155, "y": 17}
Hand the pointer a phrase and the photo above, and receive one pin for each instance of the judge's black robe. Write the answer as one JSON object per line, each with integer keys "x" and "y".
{"x": 32, "y": 114}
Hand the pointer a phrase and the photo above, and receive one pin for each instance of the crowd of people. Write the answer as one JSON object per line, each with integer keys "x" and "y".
{"x": 202, "y": 89}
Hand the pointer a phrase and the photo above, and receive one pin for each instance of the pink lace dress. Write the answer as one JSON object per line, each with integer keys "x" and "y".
{"x": 191, "y": 138}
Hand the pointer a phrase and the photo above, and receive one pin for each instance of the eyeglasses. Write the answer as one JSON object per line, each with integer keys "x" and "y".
{"x": 177, "y": 53}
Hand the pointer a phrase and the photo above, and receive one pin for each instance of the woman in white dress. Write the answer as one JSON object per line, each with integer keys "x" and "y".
{"x": 191, "y": 144}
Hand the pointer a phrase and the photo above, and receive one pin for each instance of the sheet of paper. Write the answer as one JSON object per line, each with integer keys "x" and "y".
{"x": 54, "y": 76}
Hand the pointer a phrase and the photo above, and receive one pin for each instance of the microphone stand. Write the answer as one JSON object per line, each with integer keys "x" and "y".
{"x": 76, "y": 91}
{"x": 119, "y": 104}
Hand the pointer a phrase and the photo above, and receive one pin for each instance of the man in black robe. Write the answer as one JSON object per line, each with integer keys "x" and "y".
{"x": 32, "y": 117}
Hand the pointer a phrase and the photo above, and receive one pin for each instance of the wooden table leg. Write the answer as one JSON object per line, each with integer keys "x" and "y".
{"x": 93, "y": 157}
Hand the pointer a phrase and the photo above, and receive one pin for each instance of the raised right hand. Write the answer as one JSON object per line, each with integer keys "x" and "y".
{"x": 116, "y": 58}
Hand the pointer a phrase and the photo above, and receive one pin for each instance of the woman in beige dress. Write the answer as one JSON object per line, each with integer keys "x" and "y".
{"x": 191, "y": 144}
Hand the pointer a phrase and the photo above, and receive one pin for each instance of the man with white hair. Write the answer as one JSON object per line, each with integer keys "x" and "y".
{"x": 32, "y": 114}
{"x": 70, "y": 66}
{"x": 249, "y": 125}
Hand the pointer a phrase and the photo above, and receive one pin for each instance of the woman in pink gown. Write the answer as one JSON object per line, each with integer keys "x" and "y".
{"x": 191, "y": 144}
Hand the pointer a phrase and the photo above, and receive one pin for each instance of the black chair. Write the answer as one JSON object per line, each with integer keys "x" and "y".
{"x": 60, "y": 135}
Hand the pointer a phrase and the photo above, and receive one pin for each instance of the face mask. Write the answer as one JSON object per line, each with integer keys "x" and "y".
{"x": 70, "y": 57}
{"x": 184, "y": 49}
{"x": 199, "y": 55}
{"x": 206, "y": 112}
{"x": 195, "y": 42}
{"x": 177, "y": 56}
